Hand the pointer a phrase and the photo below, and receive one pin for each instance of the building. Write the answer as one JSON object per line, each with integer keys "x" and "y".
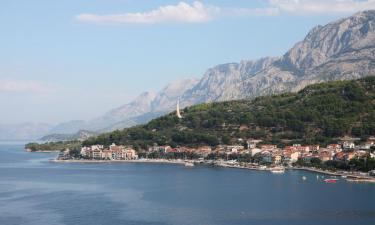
{"x": 268, "y": 147}
{"x": 204, "y": 150}
{"x": 334, "y": 147}
{"x": 266, "y": 156}
{"x": 290, "y": 156}
{"x": 252, "y": 143}
{"x": 348, "y": 145}
{"x": 276, "y": 158}
{"x": 255, "y": 151}
{"x": 114, "y": 152}
{"x": 325, "y": 155}
{"x": 234, "y": 148}
{"x": 161, "y": 149}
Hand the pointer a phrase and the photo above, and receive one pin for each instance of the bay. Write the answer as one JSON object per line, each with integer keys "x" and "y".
{"x": 35, "y": 191}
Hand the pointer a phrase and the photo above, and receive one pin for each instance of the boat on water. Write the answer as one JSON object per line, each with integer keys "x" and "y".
{"x": 189, "y": 164}
{"x": 262, "y": 167}
{"x": 304, "y": 178}
{"x": 332, "y": 180}
{"x": 277, "y": 170}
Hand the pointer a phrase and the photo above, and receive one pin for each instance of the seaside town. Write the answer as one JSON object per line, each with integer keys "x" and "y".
{"x": 252, "y": 154}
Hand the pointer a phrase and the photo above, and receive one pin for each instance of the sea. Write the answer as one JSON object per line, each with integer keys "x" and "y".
{"x": 36, "y": 191}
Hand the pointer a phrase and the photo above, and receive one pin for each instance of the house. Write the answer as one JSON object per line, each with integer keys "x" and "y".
{"x": 314, "y": 148}
{"x": 234, "y": 148}
{"x": 130, "y": 154}
{"x": 344, "y": 156}
{"x": 161, "y": 149}
{"x": 348, "y": 145}
{"x": 307, "y": 157}
{"x": 252, "y": 143}
{"x": 96, "y": 154}
{"x": 107, "y": 154}
{"x": 114, "y": 147}
{"x": 84, "y": 151}
{"x": 97, "y": 147}
{"x": 255, "y": 151}
{"x": 204, "y": 150}
{"x": 349, "y": 156}
{"x": 290, "y": 156}
{"x": 266, "y": 156}
{"x": 361, "y": 154}
{"x": 303, "y": 148}
{"x": 367, "y": 145}
{"x": 334, "y": 147}
{"x": 268, "y": 147}
{"x": 276, "y": 158}
{"x": 325, "y": 155}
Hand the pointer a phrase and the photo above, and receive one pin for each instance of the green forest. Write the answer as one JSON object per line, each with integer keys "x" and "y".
{"x": 54, "y": 146}
{"x": 318, "y": 114}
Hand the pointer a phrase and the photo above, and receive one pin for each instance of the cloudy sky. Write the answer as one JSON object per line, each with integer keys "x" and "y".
{"x": 75, "y": 59}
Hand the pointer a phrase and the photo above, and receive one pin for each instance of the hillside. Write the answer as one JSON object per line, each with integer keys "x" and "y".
{"x": 340, "y": 50}
{"x": 80, "y": 136}
{"x": 317, "y": 114}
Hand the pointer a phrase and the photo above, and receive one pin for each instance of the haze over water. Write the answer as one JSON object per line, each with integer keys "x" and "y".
{"x": 34, "y": 191}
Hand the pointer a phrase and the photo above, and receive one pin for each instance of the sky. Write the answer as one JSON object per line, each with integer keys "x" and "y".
{"x": 77, "y": 59}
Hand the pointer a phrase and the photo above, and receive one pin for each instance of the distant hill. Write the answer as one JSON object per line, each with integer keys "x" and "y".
{"x": 23, "y": 131}
{"x": 317, "y": 114}
{"x": 80, "y": 136}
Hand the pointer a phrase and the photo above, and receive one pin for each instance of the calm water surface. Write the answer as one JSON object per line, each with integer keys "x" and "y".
{"x": 34, "y": 191}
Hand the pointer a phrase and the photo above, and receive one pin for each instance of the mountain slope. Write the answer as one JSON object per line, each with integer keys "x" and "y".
{"x": 145, "y": 107}
{"x": 80, "y": 136}
{"x": 316, "y": 114}
{"x": 341, "y": 50}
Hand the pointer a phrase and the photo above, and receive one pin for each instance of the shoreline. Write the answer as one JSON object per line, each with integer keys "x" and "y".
{"x": 164, "y": 161}
{"x": 350, "y": 177}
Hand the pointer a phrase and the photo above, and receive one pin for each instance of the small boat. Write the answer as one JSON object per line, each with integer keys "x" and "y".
{"x": 330, "y": 180}
{"x": 277, "y": 170}
{"x": 304, "y": 178}
{"x": 344, "y": 176}
{"x": 189, "y": 164}
{"x": 262, "y": 168}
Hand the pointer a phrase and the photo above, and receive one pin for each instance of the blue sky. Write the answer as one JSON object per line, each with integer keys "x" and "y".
{"x": 76, "y": 59}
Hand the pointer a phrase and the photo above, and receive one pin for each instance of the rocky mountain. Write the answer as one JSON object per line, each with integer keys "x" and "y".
{"x": 145, "y": 107}
{"x": 341, "y": 50}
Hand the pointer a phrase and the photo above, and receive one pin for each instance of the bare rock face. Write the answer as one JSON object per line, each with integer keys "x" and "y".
{"x": 166, "y": 99}
{"x": 225, "y": 82}
{"x": 340, "y": 50}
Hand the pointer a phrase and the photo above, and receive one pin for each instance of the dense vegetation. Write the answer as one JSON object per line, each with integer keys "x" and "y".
{"x": 317, "y": 114}
{"x": 54, "y": 146}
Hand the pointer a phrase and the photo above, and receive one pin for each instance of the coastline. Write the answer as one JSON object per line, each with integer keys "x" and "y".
{"x": 350, "y": 177}
{"x": 164, "y": 161}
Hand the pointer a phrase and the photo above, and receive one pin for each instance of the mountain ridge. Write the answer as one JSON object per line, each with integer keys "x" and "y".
{"x": 340, "y": 50}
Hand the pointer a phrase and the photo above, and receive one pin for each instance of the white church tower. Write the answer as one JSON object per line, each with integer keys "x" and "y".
{"x": 178, "y": 114}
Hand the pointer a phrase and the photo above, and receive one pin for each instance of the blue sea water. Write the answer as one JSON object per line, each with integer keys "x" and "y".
{"x": 34, "y": 191}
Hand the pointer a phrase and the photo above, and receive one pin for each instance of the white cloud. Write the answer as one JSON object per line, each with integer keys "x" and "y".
{"x": 9, "y": 85}
{"x": 197, "y": 12}
{"x": 322, "y": 6}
